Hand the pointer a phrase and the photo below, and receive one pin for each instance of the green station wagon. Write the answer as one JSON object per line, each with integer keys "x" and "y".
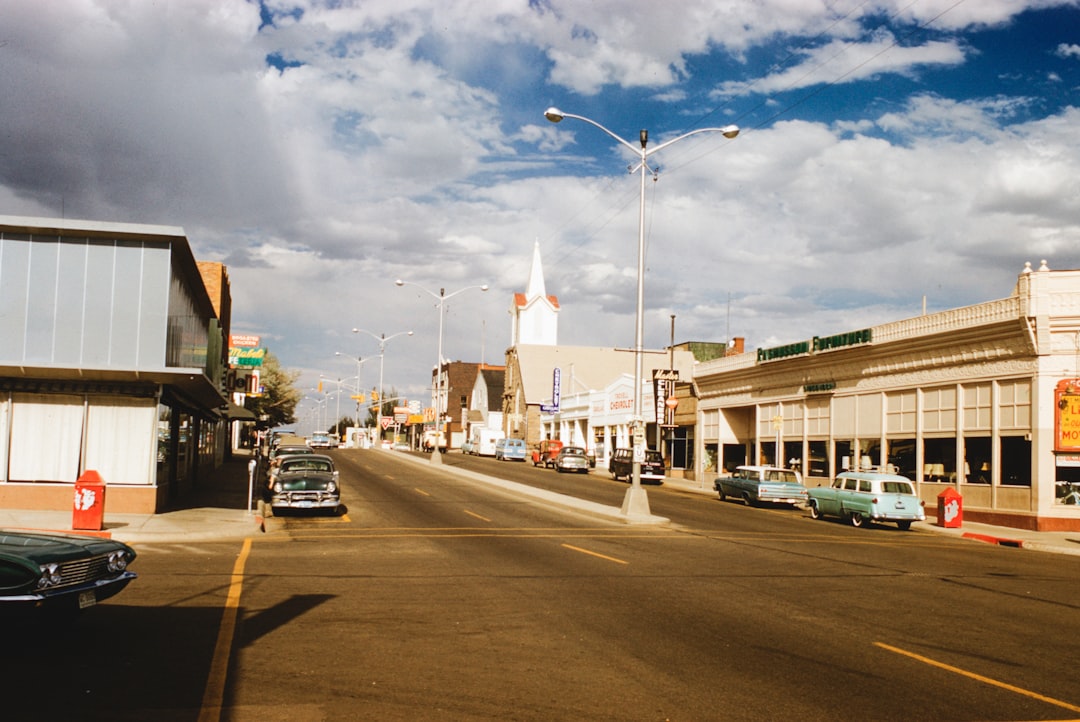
{"x": 756, "y": 484}
{"x": 868, "y": 496}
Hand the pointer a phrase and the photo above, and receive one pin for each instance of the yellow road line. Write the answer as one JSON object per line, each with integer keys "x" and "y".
{"x": 421, "y": 491}
{"x": 214, "y": 694}
{"x": 595, "y": 554}
{"x": 474, "y": 514}
{"x": 980, "y": 678}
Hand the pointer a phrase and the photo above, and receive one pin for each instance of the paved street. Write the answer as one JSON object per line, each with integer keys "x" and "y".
{"x": 433, "y": 597}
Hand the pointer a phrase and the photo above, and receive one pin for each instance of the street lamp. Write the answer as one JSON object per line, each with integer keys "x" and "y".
{"x": 637, "y": 502}
{"x": 382, "y": 339}
{"x": 359, "y": 362}
{"x": 436, "y": 457}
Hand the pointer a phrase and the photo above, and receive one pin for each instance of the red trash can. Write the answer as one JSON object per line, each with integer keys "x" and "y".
{"x": 950, "y": 509}
{"x": 88, "y": 512}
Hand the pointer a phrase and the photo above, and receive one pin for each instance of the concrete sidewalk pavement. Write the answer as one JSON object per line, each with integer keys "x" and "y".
{"x": 218, "y": 510}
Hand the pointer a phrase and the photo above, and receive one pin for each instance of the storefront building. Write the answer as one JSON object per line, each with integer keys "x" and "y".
{"x": 984, "y": 399}
{"x": 111, "y": 360}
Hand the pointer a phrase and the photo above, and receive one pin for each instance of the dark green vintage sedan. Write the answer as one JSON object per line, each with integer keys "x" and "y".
{"x": 40, "y": 569}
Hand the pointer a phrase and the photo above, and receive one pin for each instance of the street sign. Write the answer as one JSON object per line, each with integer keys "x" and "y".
{"x": 549, "y": 408}
{"x": 385, "y": 421}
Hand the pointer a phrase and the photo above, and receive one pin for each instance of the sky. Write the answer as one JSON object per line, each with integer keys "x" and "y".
{"x": 894, "y": 155}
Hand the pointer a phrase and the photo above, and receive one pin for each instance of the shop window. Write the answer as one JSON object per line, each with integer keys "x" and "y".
{"x": 977, "y": 460}
{"x": 939, "y": 409}
{"x": 708, "y": 462}
{"x": 1015, "y": 461}
{"x": 819, "y": 459}
{"x": 939, "y": 460}
{"x": 1015, "y": 406}
{"x": 842, "y": 453}
{"x": 869, "y": 453}
{"x": 902, "y": 457}
{"x": 900, "y": 412}
{"x": 1067, "y": 485}
{"x": 768, "y": 453}
{"x": 978, "y": 407}
{"x": 792, "y": 455}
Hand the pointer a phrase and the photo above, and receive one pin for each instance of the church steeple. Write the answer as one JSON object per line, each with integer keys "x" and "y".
{"x": 536, "y": 276}
{"x": 535, "y": 314}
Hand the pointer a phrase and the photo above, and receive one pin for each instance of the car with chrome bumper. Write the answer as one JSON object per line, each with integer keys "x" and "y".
{"x": 572, "y": 458}
{"x": 305, "y": 481}
{"x": 759, "y": 484}
{"x": 863, "y": 497}
{"x": 63, "y": 571}
{"x": 651, "y": 471}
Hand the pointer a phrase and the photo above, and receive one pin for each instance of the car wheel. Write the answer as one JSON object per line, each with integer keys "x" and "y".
{"x": 856, "y": 519}
{"x": 904, "y": 525}
{"x": 815, "y": 513}
{"x": 723, "y": 496}
{"x": 746, "y": 498}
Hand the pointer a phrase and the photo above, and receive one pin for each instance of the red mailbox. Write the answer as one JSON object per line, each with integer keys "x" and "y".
{"x": 950, "y": 509}
{"x": 89, "y": 507}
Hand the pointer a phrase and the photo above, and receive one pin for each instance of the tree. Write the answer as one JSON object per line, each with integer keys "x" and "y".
{"x": 277, "y": 404}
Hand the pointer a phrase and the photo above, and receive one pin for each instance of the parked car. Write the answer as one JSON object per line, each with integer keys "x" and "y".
{"x": 305, "y": 482}
{"x": 572, "y": 458}
{"x": 621, "y": 466}
{"x": 545, "y": 453}
{"x": 756, "y": 484}
{"x": 510, "y": 450}
{"x": 63, "y": 571}
{"x": 868, "y": 496}
{"x": 468, "y": 447}
{"x": 319, "y": 440}
{"x": 279, "y": 452}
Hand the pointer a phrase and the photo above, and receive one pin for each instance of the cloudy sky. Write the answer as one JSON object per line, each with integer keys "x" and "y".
{"x": 893, "y": 153}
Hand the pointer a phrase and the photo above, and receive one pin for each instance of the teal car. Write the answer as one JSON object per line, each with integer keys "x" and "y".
{"x": 510, "y": 450}
{"x": 868, "y": 496}
{"x": 757, "y": 484}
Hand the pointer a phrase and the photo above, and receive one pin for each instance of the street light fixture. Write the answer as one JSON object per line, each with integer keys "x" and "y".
{"x": 382, "y": 339}
{"x": 359, "y": 362}
{"x": 636, "y": 502}
{"x": 442, "y": 297}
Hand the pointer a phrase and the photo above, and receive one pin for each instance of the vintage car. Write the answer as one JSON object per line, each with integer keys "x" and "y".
{"x": 510, "y": 450}
{"x": 545, "y": 453}
{"x": 572, "y": 458}
{"x": 868, "y": 496}
{"x": 61, "y": 571}
{"x": 319, "y": 440}
{"x": 304, "y": 481}
{"x": 621, "y": 466}
{"x": 279, "y": 452}
{"x": 756, "y": 484}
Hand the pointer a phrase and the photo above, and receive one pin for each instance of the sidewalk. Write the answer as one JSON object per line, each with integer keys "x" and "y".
{"x": 218, "y": 511}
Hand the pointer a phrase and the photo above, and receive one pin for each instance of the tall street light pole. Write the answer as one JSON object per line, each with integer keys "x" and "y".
{"x": 382, "y": 339}
{"x": 636, "y": 502}
{"x": 436, "y": 456}
{"x": 359, "y": 362}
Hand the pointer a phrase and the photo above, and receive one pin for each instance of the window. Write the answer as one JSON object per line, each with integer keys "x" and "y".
{"x": 1015, "y": 461}
{"x": 977, "y": 460}
{"x": 902, "y": 456}
{"x": 900, "y": 414}
{"x": 819, "y": 459}
{"x": 681, "y": 447}
{"x": 939, "y": 409}
{"x": 939, "y": 460}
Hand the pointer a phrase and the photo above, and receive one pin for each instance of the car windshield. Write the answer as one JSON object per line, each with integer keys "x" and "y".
{"x": 306, "y": 465}
{"x": 896, "y": 487}
{"x": 787, "y": 477}
{"x": 573, "y": 450}
{"x": 653, "y": 457}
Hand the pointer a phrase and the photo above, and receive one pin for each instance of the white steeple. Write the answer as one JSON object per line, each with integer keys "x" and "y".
{"x": 535, "y": 314}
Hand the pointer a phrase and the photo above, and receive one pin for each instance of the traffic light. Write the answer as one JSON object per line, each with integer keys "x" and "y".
{"x": 374, "y": 396}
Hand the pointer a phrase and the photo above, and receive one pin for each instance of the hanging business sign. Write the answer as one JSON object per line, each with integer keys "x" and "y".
{"x": 663, "y": 392}
{"x": 556, "y": 393}
{"x": 1067, "y": 416}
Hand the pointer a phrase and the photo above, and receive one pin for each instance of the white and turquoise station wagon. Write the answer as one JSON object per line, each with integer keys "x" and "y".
{"x": 756, "y": 484}
{"x": 868, "y": 496}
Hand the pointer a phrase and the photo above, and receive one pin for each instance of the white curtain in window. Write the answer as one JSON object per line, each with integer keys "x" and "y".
{"x": 120, "y": 439}
{"x": 46, "y": 437}
{"x": 4, "y": 412}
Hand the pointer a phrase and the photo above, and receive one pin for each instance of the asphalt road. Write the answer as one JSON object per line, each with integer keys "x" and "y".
{"x": 434, "y": 597}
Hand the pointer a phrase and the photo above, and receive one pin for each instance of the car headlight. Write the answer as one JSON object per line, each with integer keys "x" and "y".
{"x": 117, "y": 561}
{"x": 331, "y": 487}
{"x": 50, "y": 575}
{"x": 278, "y": 488}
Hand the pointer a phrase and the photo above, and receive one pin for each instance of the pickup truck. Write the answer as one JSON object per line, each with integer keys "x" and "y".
{"x": 868, "y": 496}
